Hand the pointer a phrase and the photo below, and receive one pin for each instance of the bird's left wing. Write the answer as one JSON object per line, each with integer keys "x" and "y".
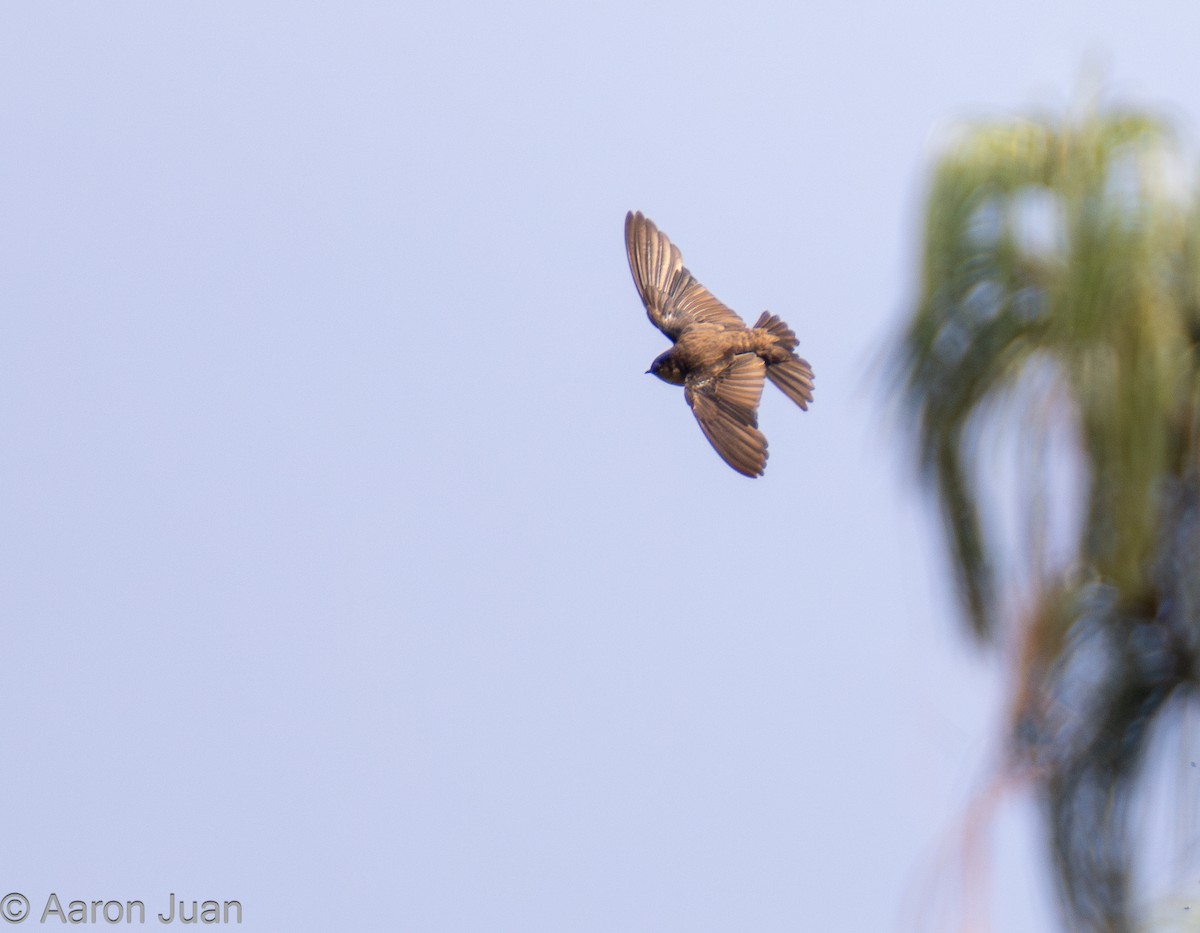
{"x": 726, "y": 405}
{"x": 673, "y": 298}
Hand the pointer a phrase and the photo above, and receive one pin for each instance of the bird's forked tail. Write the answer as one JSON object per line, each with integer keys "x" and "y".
{"x": 793, "y": 375}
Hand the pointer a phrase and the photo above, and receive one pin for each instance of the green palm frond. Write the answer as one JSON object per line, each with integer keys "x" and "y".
{"x": 1075, "y": 244}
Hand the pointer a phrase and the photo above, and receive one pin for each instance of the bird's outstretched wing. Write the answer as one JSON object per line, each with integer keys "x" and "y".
{"x": 726, "y": 405}
{"x": 673, "y": 298}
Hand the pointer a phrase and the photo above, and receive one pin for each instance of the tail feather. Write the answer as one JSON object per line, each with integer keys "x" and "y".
{"x": 783, "y": 334}
{"x": 794, "y": 377}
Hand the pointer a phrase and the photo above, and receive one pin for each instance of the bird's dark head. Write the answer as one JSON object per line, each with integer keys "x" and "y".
{"x": 667, "y": 369}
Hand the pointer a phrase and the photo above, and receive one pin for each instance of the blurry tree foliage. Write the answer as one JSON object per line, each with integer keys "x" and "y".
{"x": 1061, "y": 266}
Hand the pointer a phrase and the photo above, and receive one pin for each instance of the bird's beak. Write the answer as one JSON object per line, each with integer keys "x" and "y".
{"x": 649, "y": 372}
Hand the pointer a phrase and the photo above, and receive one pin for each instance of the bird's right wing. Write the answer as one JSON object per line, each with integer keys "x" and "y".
{"x": 726, "y": 405}
{"x": 673, "y": 298}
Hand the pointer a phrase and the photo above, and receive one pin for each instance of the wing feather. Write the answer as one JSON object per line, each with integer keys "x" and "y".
{"x": 673, "y": 298}
{"x": 726, "y": 407}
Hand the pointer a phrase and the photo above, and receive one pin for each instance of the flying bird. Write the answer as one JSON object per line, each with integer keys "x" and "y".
{"x": 719, "y": 361}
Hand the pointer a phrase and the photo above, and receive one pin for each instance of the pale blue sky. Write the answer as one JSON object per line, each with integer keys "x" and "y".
{"x": 350, "y": 565}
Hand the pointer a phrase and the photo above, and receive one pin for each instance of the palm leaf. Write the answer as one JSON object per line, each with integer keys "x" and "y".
{"x": 1073, "y": 243}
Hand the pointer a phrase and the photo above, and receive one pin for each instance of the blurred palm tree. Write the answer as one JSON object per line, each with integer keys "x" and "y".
{"x": 1060, "y": 301}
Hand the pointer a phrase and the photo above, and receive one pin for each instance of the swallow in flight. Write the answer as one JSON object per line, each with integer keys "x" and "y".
{"x": 719, "y": 361}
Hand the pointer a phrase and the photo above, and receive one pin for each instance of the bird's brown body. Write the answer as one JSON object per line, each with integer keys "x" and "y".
{"x": 709, "y": 348}
{"x": 718, "y": 360}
